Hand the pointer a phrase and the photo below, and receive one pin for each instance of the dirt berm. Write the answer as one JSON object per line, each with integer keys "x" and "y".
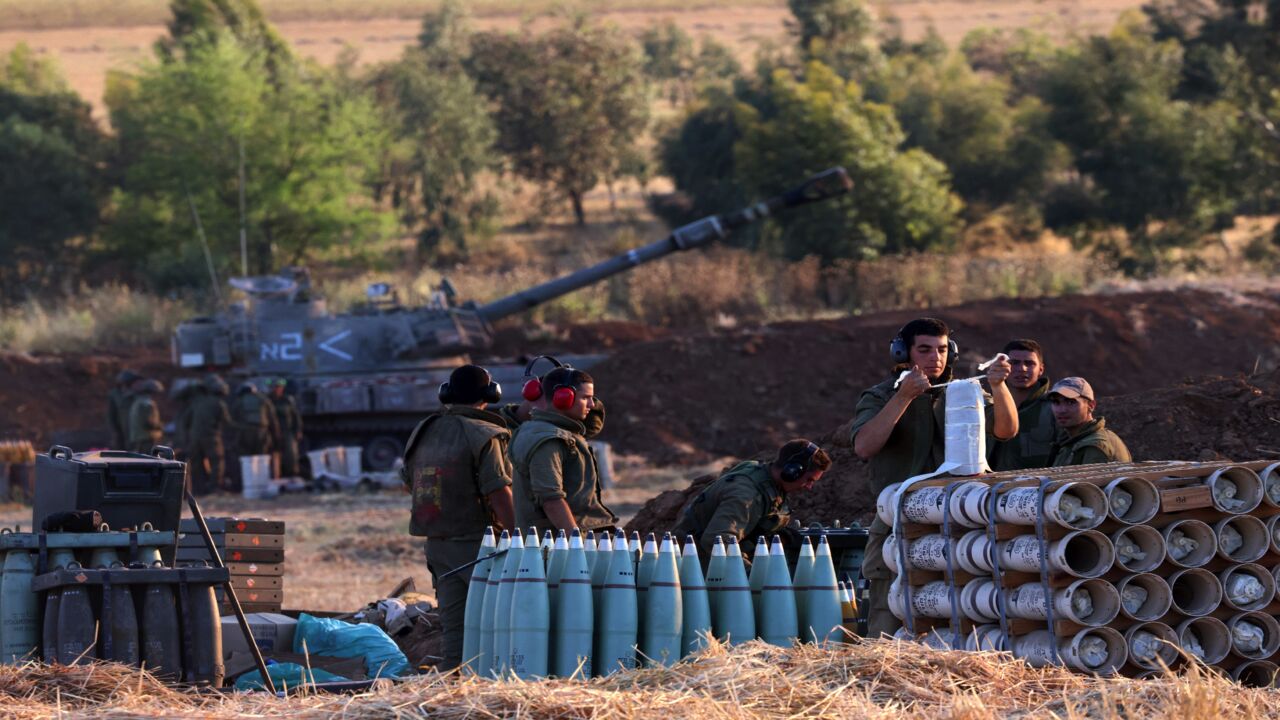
{"x": 740, "y": 394}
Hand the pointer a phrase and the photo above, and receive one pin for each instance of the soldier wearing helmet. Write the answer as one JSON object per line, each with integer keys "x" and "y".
{"x": 118, "y": 402}
{"x": 145, "y": 429}
{"x": 206, "y": 455}
{"x": 289, "y": 420}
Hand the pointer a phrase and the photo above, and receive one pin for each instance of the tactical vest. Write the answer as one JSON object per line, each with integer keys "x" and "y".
{"x": 249, "y": 410}
{"x": 696, "y": 517}
{"x": 579, "y": 475}
{"x": 441, "y": 462}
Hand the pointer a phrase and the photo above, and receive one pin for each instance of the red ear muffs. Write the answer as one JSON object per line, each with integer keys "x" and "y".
{"x": 563, "y": 398}
{"x": 532, "y": 390}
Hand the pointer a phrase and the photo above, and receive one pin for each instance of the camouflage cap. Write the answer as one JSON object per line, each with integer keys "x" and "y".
{"x": 1073, "y": 387}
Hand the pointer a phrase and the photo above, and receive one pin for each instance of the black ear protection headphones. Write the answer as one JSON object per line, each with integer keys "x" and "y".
{"x": 492, "y": 392}
{"x": 532, "y": 390}
{"x": 795, "y": 466}
{"x": 901, "y": 354}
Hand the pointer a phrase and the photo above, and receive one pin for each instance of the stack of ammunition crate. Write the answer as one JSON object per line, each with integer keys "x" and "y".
{"x": 1121, "y": 568}
{"x": 253, "y": 551}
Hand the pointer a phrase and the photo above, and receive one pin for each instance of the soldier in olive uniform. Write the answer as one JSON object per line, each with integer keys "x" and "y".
{"x": 205, "y": 453}
{"x": 118, "y": 401}
{"x": 1082, "y": 438}
{"x": 255, "y": 421}
{"x": 557, "y": 482}
{"x": 899, "y": 428}
{"x": 750, "y": 500}
{"x": 457, "y": 471}
{"x": 145, "y": 430}
{"x": 1031, "y": 447}
{"x": 290, "y": 422}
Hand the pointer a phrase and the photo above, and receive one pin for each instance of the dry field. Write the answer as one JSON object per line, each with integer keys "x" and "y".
{"x": 343, "y": 551}
{"x": 88, "y": 39}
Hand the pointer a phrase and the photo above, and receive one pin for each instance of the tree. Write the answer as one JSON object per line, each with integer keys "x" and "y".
{"x": 996, "y": 149}
{"x": 698, "y": 155}
{"x": 568, "y": 104}
{"x": 445, "y": 142}
{"x": 839, "y": 33}
{"x": 52, "y": 182}
{"x": 900, "y": 201}
{"x": 194, "y": 23}
{"x": 308, "y": 147}
{"x": 1148, "y": 155}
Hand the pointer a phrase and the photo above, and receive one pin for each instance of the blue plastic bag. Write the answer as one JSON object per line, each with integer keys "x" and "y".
{"x": 286, "y": 675}
{"x": 326, "y": 636}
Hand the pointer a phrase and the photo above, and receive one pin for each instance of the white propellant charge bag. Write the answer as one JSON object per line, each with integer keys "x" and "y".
{"x": 966, "y": 433}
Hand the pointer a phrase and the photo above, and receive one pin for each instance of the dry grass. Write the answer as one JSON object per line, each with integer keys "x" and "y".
{"x": 863, "y": 680}
{"x": 42, "y": 14}
{"x": 107, "y": 316}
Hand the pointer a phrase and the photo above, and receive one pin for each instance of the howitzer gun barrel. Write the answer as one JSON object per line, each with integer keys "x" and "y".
{"x": 823, "y": 186}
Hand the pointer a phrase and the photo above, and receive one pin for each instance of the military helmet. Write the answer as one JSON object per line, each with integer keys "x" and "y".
{"x": 216, "y": 385}
{"x": 127, "y": 377}
{"x": 245, "y": 387}
{"x": 149, "y": 386}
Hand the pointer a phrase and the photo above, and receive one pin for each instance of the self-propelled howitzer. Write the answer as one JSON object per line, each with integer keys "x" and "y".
{"x": 365, "y": 377}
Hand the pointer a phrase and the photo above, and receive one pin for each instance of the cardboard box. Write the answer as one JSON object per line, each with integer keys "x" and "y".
{"x": 272, "y": 631}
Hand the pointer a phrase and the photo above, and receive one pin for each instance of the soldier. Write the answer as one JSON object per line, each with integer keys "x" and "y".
{"x": 750, "y": 499}
{"x": 902, "y": 433}
{"x": 457, "y": 472}
{"x": 290, "y": 422}
{"x": 532, "y": 398}
{"x": 1028, "y": 384}
{"x": 255, "y": 421}
{"x": 205, "y": 453}
{"x": 557, "y": 483}
{"x": 145, "y": 430}
{"x": 118, "y": 401}
{"x": 1082, "y": 438}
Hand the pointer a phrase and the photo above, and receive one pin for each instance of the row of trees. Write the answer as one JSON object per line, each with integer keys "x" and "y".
{"x": 1165, "y": 127}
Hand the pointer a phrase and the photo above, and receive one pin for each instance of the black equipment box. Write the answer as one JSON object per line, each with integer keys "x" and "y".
{"x": 127, "y": 488}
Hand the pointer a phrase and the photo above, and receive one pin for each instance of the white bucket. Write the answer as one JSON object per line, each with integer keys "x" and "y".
{"x": 335, "y": 460}
{"x": 1027, "y": 601}
{"x": 1135, "y": 540}
{"x": 1270, "y": 476}
{"x": 980, "y": 601}
{"x": 973, "y": 553}
{"x": 1132, "y": 501}
{"x": 1252, "y": 533}
{"x": 255, "y": 475}
{"x": 1205, "y": 539}
{"x": 1095, "y": 650}
{"x": 985, "y": 637}
{"x": 1083, "y": 553}
{"x": 1195, "y": 592}
{"x": 1235, "y": 490}
{"x": 352, "y": 457}
{"x": 1233, "y": 589}
{"x": 1270, "y": 635}
{"x": 1257, "y": 674}
{"x": 318, "y": 467}
{"x": 1075, "y": 506}
{"x": 1144, "y": 596}
{"x": 1151, "y": 645}
{"x": 1209, "y": 634}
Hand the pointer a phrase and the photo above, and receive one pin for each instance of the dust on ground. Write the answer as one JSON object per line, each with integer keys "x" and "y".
{"x": 86, "y": 54}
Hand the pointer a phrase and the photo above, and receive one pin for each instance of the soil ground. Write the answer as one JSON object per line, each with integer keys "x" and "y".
{"x": 86, "y": 54}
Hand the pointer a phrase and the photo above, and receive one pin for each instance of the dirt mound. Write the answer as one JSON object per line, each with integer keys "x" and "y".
{"x": 1212, "y": 418}
{"x": 741, "y": 392}
{"x": 63, "y": 398}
